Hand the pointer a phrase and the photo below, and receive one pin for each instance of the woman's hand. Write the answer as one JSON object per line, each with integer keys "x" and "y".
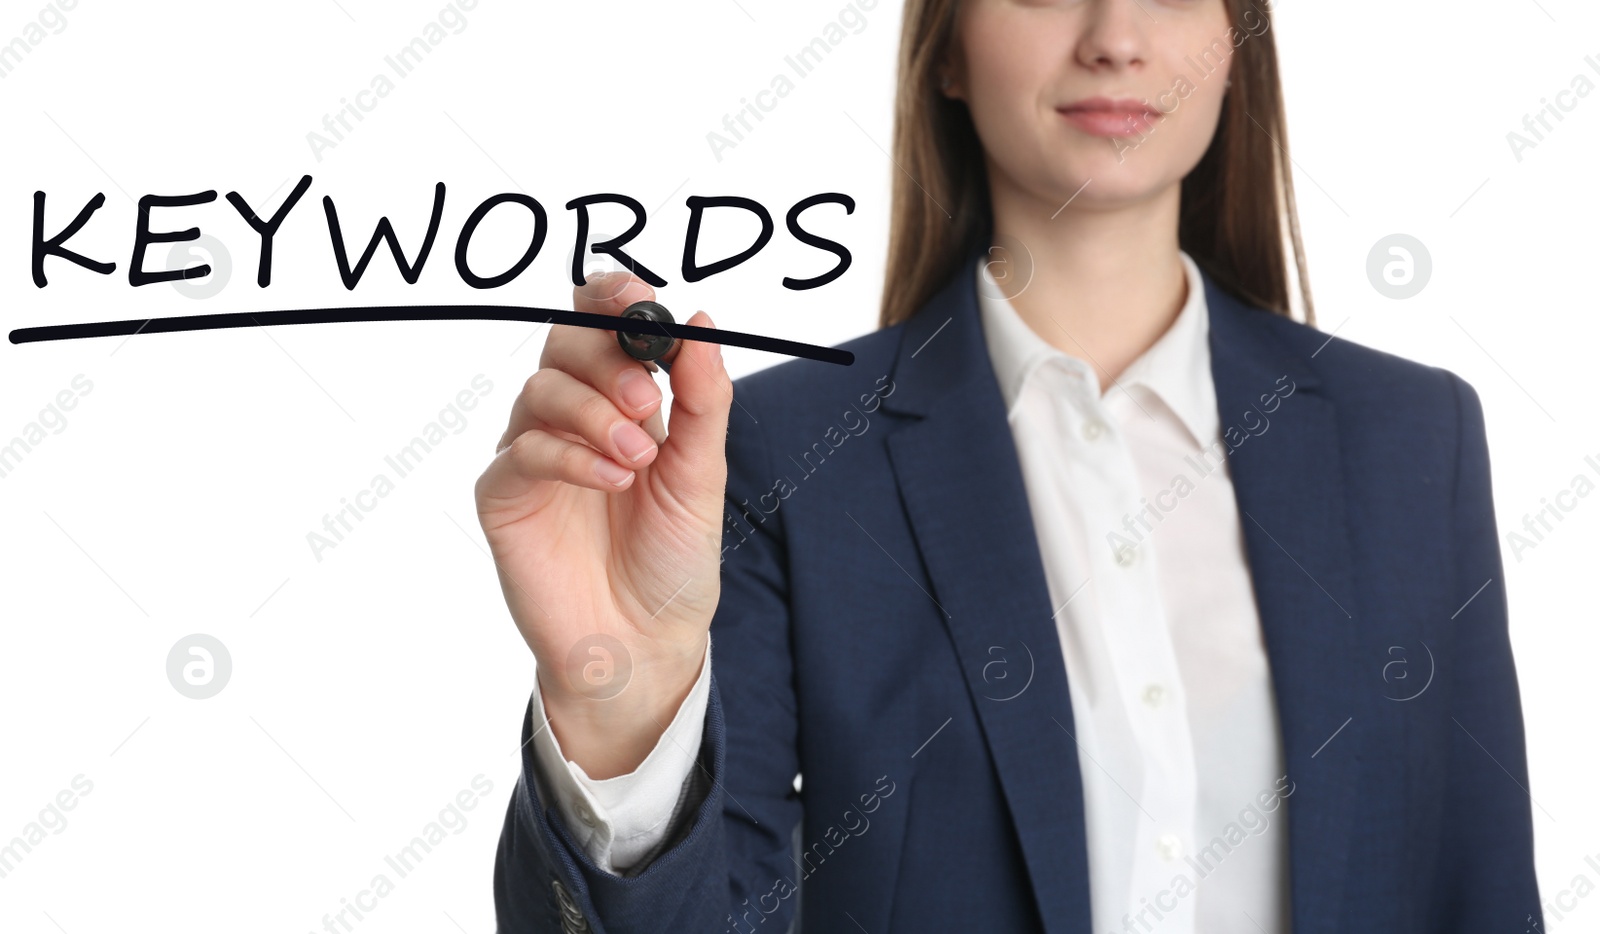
{"x": 607, "y": 533}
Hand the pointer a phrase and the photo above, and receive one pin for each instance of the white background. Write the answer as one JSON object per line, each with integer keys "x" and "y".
{"x": 371, "y": 686}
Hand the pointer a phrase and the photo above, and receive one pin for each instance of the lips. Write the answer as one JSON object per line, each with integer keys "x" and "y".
{"x": 1104, "y": 116}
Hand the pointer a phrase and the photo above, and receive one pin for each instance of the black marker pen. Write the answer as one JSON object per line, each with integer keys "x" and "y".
{"x": 646, "y": 346}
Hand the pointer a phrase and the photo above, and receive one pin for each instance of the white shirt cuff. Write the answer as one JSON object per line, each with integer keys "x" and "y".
{"x": 619, "y": 820}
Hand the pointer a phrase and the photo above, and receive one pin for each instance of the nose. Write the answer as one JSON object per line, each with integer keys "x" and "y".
{"x": 1114, "y": 34}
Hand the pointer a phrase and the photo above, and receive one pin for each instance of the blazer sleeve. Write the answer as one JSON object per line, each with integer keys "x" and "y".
{"x": 732, "y": 861}
{"x": 1486, "y": 879}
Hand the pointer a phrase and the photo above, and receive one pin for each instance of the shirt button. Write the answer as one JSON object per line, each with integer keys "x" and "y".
{"x": 584, "y": 814}
{"x": 1091, "y": 430}
{"x": 1154, "y": 695}
{"x": 1169, "y": 846}
{"x": 1125, "y": 555}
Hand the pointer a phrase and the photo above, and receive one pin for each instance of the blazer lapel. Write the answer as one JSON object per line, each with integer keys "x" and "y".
{"x": 959, "y": 477}
{"x": 1285, "y": 466}
{"x": 956, "y": 466}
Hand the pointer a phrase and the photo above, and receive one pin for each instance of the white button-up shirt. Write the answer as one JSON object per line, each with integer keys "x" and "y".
{"x": 1171, "y": 693}
{"x": 1173, "y": 714}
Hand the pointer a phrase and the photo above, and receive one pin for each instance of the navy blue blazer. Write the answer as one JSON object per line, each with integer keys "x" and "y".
{"x": 884, "y": 600}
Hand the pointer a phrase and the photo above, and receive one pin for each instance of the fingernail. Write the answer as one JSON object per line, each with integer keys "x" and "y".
{"x": 612, "y": 473}
{"x": 638, "y": 389}
{"x": 716, "y": 349}
{"x": 631, "y": 440}
{"x": 634, "y": 291}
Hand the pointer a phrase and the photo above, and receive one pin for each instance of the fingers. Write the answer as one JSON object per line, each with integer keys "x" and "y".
{"x": 591, "y": 410}
{"x": 558, "y": 400}
{"x": 656, "y": 427}
{"x": 592, "y": 356}
{"x": 702, "y": 393}
{"x": 539, "y": 455}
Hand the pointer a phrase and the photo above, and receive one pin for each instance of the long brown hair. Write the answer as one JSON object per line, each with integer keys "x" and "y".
{"x": 1237, "y": 203}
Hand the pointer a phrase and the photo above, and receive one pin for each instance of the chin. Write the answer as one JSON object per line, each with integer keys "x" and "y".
{"x": 1101, "y": 180}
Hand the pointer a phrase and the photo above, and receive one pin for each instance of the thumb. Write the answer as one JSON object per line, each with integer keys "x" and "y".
{"x": 693, "y": 461}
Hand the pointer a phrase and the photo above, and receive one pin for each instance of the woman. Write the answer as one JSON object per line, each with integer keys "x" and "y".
{"x": 1098, "y": 595}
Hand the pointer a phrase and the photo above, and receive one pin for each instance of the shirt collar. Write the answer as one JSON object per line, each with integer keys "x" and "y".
{"x": 1176, "y": 368}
